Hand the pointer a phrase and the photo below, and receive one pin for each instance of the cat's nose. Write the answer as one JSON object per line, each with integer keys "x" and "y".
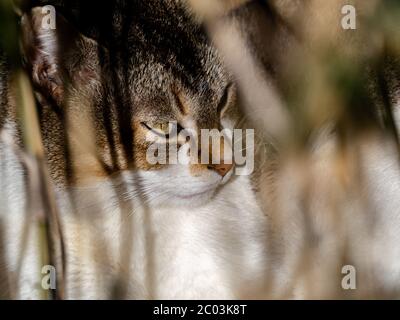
{"x": 221, "y": 169}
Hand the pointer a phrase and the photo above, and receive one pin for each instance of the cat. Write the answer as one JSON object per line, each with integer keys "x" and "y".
{"x": 185, "y": 231}
{"x": 104, "y": 80}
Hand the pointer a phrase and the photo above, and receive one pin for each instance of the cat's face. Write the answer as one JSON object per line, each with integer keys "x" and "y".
{"x": 158, "y": 72}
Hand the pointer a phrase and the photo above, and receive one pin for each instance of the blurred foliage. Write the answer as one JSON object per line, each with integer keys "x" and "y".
{"x": 9, "y": 31}
{"x": 343, "y": 80}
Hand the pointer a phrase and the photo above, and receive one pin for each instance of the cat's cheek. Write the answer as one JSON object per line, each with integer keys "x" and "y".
{"x": 197, "y": 200}
{"x": 174, "y": 185}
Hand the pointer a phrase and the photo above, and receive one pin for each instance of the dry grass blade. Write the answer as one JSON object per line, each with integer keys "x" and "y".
{"x": 51, "y": 240}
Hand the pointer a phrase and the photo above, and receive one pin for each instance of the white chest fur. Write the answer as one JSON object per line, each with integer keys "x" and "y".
{"x": 215, "y": 251}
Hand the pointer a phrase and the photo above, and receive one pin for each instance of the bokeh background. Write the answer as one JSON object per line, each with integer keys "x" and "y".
{"x": 323, "y": 102}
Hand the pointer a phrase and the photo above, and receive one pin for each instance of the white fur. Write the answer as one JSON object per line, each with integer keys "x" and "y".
{"x": 20, "y": 266}
{"x": 205, "y": 251}
{"x": 206, "y": 246}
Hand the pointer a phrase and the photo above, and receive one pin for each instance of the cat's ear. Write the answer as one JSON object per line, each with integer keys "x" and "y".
{"x": 55, "y": 53}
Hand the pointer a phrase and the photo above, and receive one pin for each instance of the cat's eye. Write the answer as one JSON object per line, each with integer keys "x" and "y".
{"x": 225, "y": 99}
{"x": 163, "y": 129}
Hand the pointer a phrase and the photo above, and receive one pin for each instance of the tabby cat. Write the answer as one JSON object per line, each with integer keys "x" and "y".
{"x": 112, "y": 75}
{"x": 103, "y": 81}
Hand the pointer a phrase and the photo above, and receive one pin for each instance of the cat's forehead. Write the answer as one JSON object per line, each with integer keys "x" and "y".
{"x": 158, "y": 50}
{"x": 156, "y": 87}
{"x": 176, "y": 58}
